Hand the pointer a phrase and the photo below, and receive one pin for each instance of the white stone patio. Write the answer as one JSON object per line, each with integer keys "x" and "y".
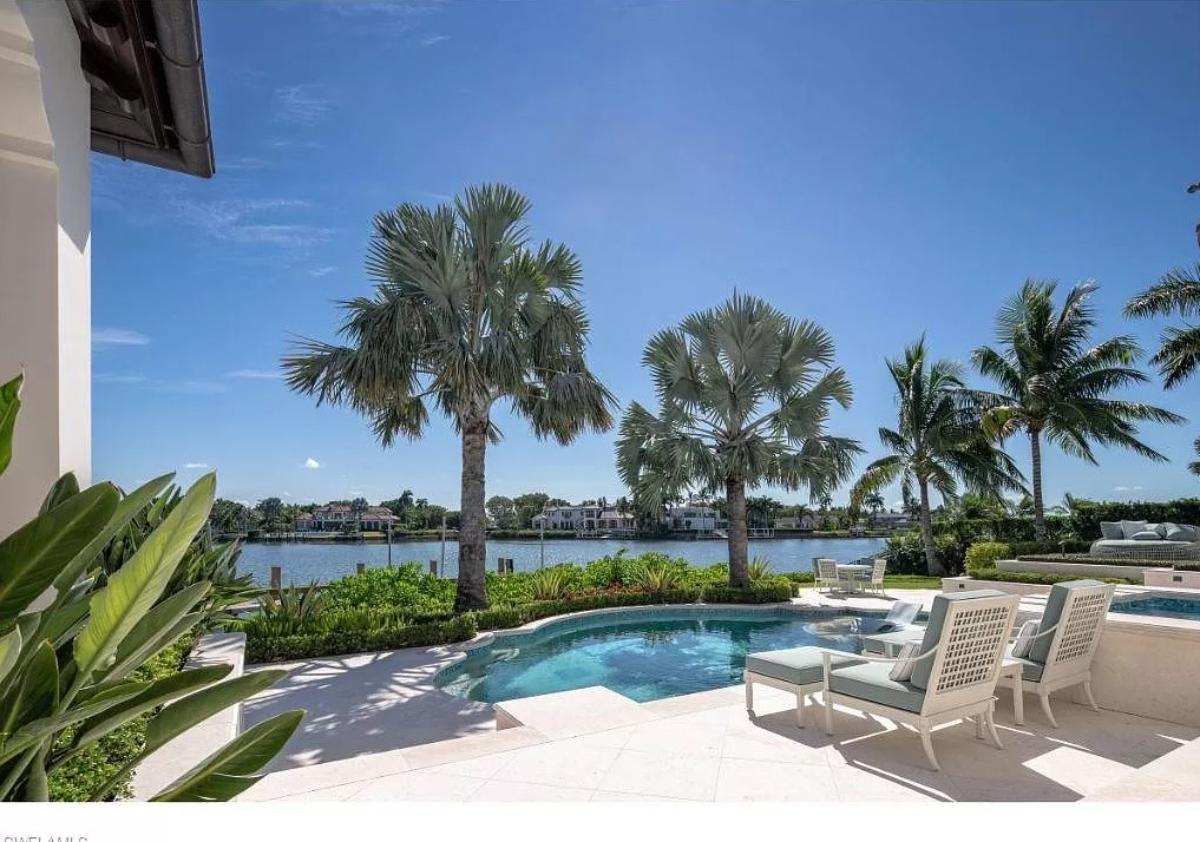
{"x": 705, "y": 747}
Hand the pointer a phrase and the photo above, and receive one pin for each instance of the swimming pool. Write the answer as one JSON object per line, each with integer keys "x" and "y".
{"x": 641, "y": 654}
{"x": 1159, "y": 605}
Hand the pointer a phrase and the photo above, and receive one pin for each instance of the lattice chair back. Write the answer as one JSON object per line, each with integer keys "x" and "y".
{"x": 877, "y": 570}
{"x": 970, "y": 652}
{"x": 1078, "y": 632}
{"x": 827, "y": 570}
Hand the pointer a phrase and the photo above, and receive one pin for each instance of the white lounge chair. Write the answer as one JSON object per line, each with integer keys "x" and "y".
{"x": 954, "y": 675}
{"x": 827, "y": 574}
{"x": 899, "y": 619}
{"x": 1066, "y": 641}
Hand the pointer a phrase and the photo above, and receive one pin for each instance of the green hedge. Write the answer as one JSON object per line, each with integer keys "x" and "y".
{"x": 1087, "y": 514}
{"x": 266, "y": 649}
{"x": 993, "y": 575}
{"x": 774, "y": 589}
{"x": 1084, "y": 558}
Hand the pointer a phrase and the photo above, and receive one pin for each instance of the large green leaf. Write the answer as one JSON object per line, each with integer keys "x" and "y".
{"x": 10, "y": 651}
{"x": 38, "y": 693}
{"x": 62, "y": 491}
{"x": 174, "y": 720}
{"x": 32, "y": 557}
{"x": 159, "y": 693}
{"x": 127, "y": 510}
{"x": 10, "y": 404}
{"x": 134, "y": 589}
{"x": 154, "y": 632}
{"x": 32, "y": 733}
{"x": 230, "y": 771}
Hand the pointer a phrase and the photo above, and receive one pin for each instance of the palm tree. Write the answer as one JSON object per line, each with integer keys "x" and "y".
{"x": 1177, "y": 292}
{"x": 1053, "y": 382}
{"x": 466, "y": 313}
{"x": 937, "y": 442}
{"x": 744, "y": 395}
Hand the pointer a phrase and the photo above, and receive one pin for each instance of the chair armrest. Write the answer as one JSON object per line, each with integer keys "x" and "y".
{"x": 827, "y": 659}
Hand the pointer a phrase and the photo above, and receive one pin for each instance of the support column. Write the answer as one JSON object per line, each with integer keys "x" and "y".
{"x": 45, "y": 251}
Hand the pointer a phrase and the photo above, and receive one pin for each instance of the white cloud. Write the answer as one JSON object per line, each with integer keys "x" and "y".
{"x": 255, "y": 374}
{"x": 430, "y": 40}
{"x": 107, "y": 337}
{"x": 195, "y": 466}
{"x": 322, "y": 271}
{"x": 109, "y": 377}
{"x": 311, "y": 463}
{"x": 304, "y": 104}
{"x": 186, "y": 387}
{"x": 287, "y": 494}
{"x": 252, "y": 221}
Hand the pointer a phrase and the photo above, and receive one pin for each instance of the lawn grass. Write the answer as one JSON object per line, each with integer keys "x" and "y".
{"x": 906, "y": 582}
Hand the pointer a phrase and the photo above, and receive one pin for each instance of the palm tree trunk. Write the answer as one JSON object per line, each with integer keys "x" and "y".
{"x": 932, "y": 563}
{"x": 735, "y": 502}
{"x": 472, "y": 531}
{"x": 1039, "y": 516}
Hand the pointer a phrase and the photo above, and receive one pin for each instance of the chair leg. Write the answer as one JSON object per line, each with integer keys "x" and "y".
{"x": 1045, "y": 697}
{"x": 990, "y": 719}
{"x": 825, "y": 700}
{"x": 799, "y": 710}
{"x": 978, "y": 727}
{"x": 1087, "y": 691}
{"x": 927, "y": 744}
{"x": 749, "y": 696}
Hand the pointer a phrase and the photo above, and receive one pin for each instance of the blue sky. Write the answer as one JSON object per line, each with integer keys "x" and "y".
{"x": 881, "y": 169}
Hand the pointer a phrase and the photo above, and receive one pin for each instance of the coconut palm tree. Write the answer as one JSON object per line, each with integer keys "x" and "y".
{"x": 1176, "y": 293}
{"x": 1053, "y": 382}
{"x": 744, "y": 396}
{"x": 937, "y": 443}
{"x": 467, "y": 313}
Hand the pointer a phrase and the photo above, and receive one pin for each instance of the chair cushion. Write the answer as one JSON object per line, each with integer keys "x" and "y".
{"x": 1024, "y": 641}
{"x": 802, "y": 665}
{"x": 933, "y": 631}
{"x": 1030, "y": 670}
{"x": 870, "y": 681}
{"x": 1130, "y": 527}
{"x": 903, "y": 667}
{"x": 1054, "y": 606}
{"x": 881, "y": 644}
{"x": 1147, "y": 535}
{"x": 1111, "y": 530}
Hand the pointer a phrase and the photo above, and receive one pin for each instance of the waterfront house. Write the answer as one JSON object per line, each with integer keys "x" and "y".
{"x": 337, "y": 516}
{"x": 695, "y": 519}
{"x": 806, "y": 522}
{"x": 890, "y": 520}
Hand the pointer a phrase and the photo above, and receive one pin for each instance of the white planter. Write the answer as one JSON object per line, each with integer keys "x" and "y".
{"x": 1082, "y": 571}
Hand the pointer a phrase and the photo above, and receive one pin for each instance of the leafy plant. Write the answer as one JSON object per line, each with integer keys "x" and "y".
{"x": 656, "y": 576}
{"x": 72, "y": 639}
{"x": 759, "y": 569}
{"x": 549, "y": 584}
{"x": 983, "y": 555}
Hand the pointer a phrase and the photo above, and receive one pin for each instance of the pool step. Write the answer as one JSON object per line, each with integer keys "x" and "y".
{"x": 572, "y": 712}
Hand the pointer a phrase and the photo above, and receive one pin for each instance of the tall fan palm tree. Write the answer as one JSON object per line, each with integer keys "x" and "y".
{"x": 1054, "y": 382}
{"x": 744, "y": 395}
{"x": 937, "y": 443}
{"x": 466, "y": 314}
{"x": 1176, "y": 293}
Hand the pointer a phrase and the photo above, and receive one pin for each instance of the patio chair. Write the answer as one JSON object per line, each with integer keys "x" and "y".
{"x": 954, "y": 672}
{"x": 878, "y": 566}
{"x": 827, "y": 574}
{"x": 1065, "y": 643}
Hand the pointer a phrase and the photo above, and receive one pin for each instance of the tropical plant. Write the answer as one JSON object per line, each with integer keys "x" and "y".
{"x": 759, "y": 569}
{"x": 744, "y": 393}
{"x": 292, "y": 609}
{"x": 937, "y": 443}
{"x": 72, "y": 639}
{"x": 550, "y": 583}
{"x": 466, "y": 313}
{"x": 1176, "y": 293}
{"x": 656, "y": 576}
{"x": 1053, "y": 382}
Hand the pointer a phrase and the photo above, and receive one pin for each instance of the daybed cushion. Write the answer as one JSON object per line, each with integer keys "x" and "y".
{"x": 1129, "y": 528}
{"x": 802, "y": 665}
{"x": 1054, "y": 606}
{"x": 1111, "y": 529}
{"x": 1147, "y": 535}
{"x": 870, "y": 682}
{"x": 1178, "y": 532}
{"x": 933, "y": 631}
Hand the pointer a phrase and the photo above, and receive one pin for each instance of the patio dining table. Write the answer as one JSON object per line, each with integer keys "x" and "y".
{"x": 853, "y": 576}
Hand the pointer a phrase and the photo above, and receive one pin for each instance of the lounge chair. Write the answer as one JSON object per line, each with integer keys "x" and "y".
{"x": 899, "y": 618}
{"x": 1065, "y": 642}
{"x": 827, "y": 573}
{"x": 954, "y": 671}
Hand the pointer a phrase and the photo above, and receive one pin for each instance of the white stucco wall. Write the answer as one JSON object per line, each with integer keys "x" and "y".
{"x": 45, "y": 250}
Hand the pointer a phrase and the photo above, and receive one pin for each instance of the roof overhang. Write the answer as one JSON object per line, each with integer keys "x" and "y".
{"x": 144, "y": 63}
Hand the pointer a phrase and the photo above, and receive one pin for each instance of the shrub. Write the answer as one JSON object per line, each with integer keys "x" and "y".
{"x": 994, "y": 575}
{"x": 772, "y": 589}
{"x": 328, "y": 643}
{"x": 758, "y": 569}
{"x": 984, "y": 554}
{"x": 384, "y": 588}
{"x": 1067, "y": 545}
{"x": 550, "y": 583}
{"x": 656, "y": 575}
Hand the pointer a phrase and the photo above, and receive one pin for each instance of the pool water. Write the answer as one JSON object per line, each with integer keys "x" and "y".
{"x": 645, "y": 656}
{"x": 1159, "y": 606}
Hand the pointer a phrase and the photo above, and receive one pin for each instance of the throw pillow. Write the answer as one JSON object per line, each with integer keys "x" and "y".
{"x": 1129, "y": 527}
{"x": 903, "y": 668}
{"x": 1024, "y": 641}
{"x": 1147, "y": 535}
{"x": 1171, "y": 531}
{"x": 1110, "y": 530}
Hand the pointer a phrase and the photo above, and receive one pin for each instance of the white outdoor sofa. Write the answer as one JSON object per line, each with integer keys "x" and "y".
{"x": 1065, "y": 642}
